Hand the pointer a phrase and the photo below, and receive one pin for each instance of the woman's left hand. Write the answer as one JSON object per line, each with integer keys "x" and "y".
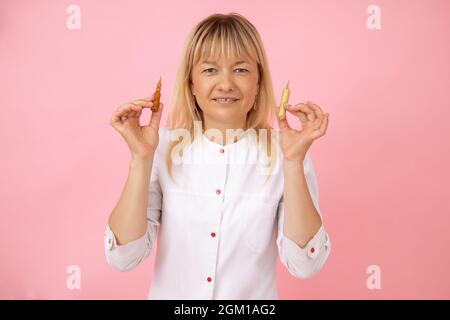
{"x": 295, "y": 143}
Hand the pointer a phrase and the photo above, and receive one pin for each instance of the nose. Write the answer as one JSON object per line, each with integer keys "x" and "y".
{"x": 225, "y": 83}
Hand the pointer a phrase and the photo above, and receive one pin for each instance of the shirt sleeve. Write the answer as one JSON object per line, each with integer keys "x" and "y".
{"x": 128, "y": 256}
{"x": 303, "y": 263}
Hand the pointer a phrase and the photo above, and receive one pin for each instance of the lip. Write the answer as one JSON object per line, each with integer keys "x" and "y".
{"x": 230, "y": 102}
{"x": 225, "y": 97}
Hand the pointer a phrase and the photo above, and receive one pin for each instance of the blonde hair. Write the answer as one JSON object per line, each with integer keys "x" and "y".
{"x": 231, "y": 35}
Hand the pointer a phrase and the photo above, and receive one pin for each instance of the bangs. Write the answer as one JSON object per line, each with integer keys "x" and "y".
{"x": 227, "y": 40}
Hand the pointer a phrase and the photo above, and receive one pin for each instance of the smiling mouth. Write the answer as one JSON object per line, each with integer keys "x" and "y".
{"x": 225, "y": 100}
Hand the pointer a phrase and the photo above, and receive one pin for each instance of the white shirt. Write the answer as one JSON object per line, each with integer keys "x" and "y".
{"x": 219, "y": 226}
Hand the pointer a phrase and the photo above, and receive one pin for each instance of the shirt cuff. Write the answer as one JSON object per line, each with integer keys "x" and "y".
{"x": 315, "y": 247}
{"x": 123, "y": 256}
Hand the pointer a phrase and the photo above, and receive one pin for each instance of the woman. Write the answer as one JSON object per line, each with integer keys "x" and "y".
{"x": 220, "y": 189}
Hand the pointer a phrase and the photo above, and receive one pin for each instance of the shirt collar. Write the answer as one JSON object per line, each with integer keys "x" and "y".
{"x": 243, "y": 139}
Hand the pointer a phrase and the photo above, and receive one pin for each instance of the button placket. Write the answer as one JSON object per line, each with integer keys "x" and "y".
{"x": 222, "y": 167}
{"x": 223, "y": 160}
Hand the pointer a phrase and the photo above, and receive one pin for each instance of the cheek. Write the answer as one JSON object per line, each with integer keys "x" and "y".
{"x": 250, "y": 94}
{"x": 203, "y": 90}
{"x": 198, "y": 84}
{"x": 250, "y": 88}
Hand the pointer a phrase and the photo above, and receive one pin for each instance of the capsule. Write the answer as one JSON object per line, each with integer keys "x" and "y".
{"x": 157, "y": 95}
{"x": 284, "y": 98}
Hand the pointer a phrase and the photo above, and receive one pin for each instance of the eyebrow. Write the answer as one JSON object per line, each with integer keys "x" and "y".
{"x": 213, "y": 63}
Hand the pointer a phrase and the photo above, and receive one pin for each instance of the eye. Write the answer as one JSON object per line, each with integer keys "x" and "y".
{"x": 206, "y": 70}
{"x": 243, "y": 70}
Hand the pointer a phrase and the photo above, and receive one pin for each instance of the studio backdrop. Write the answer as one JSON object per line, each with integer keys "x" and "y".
{"x": 379, "y": 68}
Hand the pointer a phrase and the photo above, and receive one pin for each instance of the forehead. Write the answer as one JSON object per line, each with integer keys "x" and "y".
{"x": 230, "y": 62}
{"x": 227, "y": 59}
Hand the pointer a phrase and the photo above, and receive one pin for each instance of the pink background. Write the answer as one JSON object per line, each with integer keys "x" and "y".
{"x": 381, "y": 165}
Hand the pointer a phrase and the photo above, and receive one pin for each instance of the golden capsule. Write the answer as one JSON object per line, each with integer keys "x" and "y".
{"x": 284, "y": 98}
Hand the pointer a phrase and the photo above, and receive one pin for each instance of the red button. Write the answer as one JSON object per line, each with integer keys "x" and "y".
{"x": 312, "y": 250}
{"x": 217, "y": 191}
{"x": 222, "y": 150}
{"x": 213, "y": 234}
{"x": 209, "y": 279}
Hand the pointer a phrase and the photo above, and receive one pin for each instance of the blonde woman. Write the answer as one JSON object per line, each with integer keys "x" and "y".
{"x": 220, "y": 190}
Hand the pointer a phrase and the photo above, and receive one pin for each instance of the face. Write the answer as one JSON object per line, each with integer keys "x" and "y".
{"x": 225, "y": 90}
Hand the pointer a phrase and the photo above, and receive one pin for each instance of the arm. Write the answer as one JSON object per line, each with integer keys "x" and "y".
{"x": 128, "y": 219}
{"x": 302, "y": 221}
{"x": 305, "y": 247}
{"x": 126, "y": 243}
{"x": 132, "y": 227}
{"x": 303, "y": 256}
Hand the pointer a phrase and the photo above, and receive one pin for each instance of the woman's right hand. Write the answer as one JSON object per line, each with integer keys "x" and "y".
{"x": 142, "y": 140}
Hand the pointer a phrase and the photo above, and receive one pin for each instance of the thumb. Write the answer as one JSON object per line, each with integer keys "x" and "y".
{"x": 155, "y": 118}
{"x": 282, "y": 123}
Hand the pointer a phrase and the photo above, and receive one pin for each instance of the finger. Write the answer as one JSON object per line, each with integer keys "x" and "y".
{"x": 150, "y": 98}
{"x": 121, "y": 116}
{"x": 282, "y": 123}
{"x": 317, "y": 111}
{"x": 297, "y": 112}
{"x": 128, "y": 108}
{"x": 143, "y": 103}
{"x": 132, "y": 114}
{"x": 135, "y": 108}
{"x": 138, "y": 114}
{"x": 131, "y": 110}
{"x": 115, "y": 119}
{"x": 324, "y": 125}
{"x": 155, "y": 118}
{"x": 125, "y": 112}
{"x": 308, "y": 110}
